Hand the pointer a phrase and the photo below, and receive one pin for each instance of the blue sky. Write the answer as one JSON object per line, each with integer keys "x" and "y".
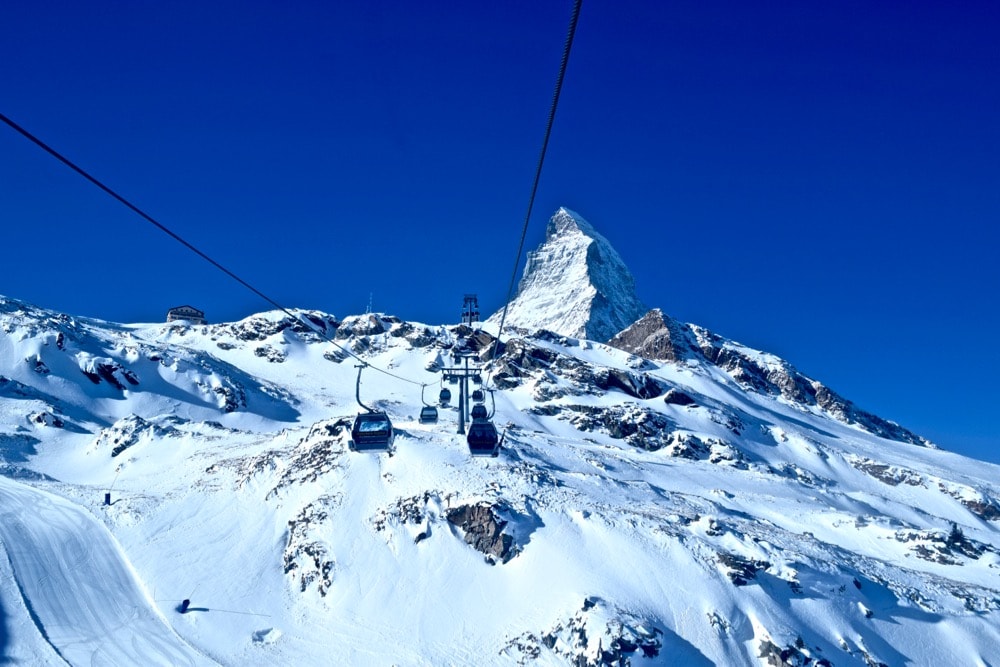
{"x": 818, "y": 180}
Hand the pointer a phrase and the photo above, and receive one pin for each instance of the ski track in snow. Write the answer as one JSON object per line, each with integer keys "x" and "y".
{"x": 77, "y": 586}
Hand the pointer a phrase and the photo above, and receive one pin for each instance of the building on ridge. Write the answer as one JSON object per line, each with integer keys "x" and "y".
{"x": 188, "y": 313}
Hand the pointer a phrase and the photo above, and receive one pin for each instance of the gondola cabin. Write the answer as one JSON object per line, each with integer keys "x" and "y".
{"x": 445, "y": 396}
{"x": 483, "y": 439}
{"x": 478, "y": 396}
{"x": 428, "y": 414}
{"x": 372, "y": 431}
{"x": 479, "y": 412}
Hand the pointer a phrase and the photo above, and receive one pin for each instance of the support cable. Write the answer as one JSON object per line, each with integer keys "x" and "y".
{"x": 567, "y": 47}
{"x": 148, "y": 218}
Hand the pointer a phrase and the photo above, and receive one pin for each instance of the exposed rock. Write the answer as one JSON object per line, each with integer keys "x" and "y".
{"x": 767, "y": 374}
{"x": 306, "y": 559}
{"x": 938, "y": 547}
{"x": 598, "y": 635}
{"x": 987, "y": 510}
{"x": 636, "y": 385}
{"x": 46, "y": 418}
{"x": 483, "y": 530}
{"x": 656, "y": 336}
{"x": 637, "y": 425}
{"x": 272, "y": 354}
{"x": 315, "y": 455}
{"x": 130, "y": 431}
{"x": 264, "y": 325}
{"x": 741, "y": 570}
{"x": 415, "y": 336}
{"x": 109, "y": 371}
{"x": 37, "y": 365}
{"x": 794, "y": 655}
{"x": 522, "y": 359}
{"x": 362, "y": 325}
{"x": 891, "y": 475}
{"x": 678, "y": 397}
{"x": 231, "y": 397}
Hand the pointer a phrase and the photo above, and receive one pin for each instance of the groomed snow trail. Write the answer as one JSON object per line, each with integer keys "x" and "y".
{"x": 77, "y": 586}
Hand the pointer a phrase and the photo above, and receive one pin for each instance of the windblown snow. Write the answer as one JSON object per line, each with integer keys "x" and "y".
{"x": 710, "y": 506}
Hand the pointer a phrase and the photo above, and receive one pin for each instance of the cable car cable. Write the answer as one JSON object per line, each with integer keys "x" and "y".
{"x": 564, "y": 62}
{"x": 148, "y": 218}
{"x": 567, "y": 47}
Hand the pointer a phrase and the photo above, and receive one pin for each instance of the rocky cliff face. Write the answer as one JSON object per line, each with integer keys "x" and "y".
{"x": 660, "y": 337}
{"x": 574, "y": 284}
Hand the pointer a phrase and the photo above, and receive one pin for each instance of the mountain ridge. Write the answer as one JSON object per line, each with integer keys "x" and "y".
{"x": 623, "y": 479}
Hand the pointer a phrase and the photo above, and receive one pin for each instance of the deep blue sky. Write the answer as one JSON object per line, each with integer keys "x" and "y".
{"x": 818, "y": 180}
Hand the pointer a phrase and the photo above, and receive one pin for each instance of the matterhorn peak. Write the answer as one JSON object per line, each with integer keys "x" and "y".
{"x": 574, "y": 284}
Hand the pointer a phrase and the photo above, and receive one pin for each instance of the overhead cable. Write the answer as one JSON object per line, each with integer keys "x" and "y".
{"x": 148, "y": 218}
{"x": 567, "y": 46}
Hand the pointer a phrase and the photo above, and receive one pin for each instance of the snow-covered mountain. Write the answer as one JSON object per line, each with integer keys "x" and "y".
{"x": 674, "y": 499}
{"x": 574, "y": 284}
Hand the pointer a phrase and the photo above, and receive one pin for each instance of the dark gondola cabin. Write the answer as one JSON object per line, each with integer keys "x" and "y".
{"x": 372, "y": 431}
{"x": 428, "y": 414}
{"x": 479, "y": 412}
{"x": 445, "y": 396}
{"x": 483, "y": 439}
{"x": 478, "y": 396}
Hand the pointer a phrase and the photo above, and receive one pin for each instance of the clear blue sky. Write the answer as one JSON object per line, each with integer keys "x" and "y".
{"x": 818, "y": 180}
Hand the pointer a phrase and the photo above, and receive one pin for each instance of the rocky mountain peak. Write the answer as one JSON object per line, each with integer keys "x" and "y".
{"x": 657, "y": 336}
{"x": 574, "y": 284}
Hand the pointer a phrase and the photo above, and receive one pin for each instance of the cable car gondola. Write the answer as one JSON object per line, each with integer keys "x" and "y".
{"x": 428, "y": 413}
{"x": 372, "y": 429}
{"x": 445, "y": 396}
{"x": 482, "y": 438}
{"x": 478, "y": 396}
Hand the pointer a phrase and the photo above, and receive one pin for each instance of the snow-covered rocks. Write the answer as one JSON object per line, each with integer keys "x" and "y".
{"x": 701, "y": 507}
{"x": 574, "y": 284}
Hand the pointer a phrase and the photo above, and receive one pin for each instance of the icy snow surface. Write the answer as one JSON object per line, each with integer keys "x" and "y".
{"x": 728, "y": 530}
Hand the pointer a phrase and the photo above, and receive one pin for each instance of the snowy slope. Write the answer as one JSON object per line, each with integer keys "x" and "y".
{"x": 662, "y": 511}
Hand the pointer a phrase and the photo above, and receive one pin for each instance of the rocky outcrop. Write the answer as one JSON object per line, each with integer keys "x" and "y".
{"x": 362, "y": 325}
{"x": 130, "y": 431}
{"x": 739, "y": 569}
{"x": 109, "y": 371}
{"x": 599, "y": 634}
{"x": 310, "y": 325}
{"x": 307, "y": 559}
{"x": 484, "y": 530}
{"x": 574, "y": 284}
{"x": 657, "y": 336}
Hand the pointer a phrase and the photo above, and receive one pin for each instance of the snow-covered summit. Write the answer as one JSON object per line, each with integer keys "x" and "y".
{"x": 574, "y": 284}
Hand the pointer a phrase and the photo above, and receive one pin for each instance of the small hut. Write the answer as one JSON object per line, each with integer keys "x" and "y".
{"x": 188, "y": 313}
